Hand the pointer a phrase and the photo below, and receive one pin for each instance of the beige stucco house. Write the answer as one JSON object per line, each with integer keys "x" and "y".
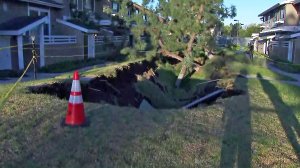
{"x": 280, "y": 37}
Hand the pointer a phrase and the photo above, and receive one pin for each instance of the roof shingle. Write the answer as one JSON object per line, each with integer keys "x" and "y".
{"x": 50, "y": 3}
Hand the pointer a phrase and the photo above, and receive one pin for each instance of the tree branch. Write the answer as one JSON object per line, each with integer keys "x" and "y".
{"x": 193, "y": 36}
{"x": 191, "y": 42}
{"x": 170, "y": 54}
{"x": 165, "y": 52}
{"x": 200, "y": 13}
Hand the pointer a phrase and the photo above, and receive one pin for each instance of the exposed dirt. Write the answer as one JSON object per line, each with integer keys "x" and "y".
{"x": 120, "y": 90}
{"x": 61, "y": 90}
{"x": 232, "y": 92}
{"x": 117, "y": 90}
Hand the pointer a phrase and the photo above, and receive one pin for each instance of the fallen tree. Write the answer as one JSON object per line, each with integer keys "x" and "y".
{"x": 181, "y": 30}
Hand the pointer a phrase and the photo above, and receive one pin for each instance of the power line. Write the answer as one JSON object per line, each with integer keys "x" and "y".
{"x": 15, "y": 46}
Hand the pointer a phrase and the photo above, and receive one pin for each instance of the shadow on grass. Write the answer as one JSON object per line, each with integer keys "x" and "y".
{"x": 109, "y": 141}
{"x": 236, "y": 144}
{"x": 286, "y": 115}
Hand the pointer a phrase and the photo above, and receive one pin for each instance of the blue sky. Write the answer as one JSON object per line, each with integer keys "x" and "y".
{"x": 247, "y": 10}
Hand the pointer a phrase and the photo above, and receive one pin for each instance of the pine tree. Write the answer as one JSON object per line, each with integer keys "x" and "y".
{"x": 180, "y": 29}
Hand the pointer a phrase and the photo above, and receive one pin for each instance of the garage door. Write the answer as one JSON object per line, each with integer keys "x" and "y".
{"x": 5, "y": 54}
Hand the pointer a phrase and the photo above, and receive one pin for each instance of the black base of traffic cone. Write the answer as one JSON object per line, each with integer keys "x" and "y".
{"x": 86, "y": 124}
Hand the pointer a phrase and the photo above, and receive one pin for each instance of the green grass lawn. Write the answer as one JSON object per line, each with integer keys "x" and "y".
{"x": 107, "y": 70}
{"x": 67, "y": 66}
{"x": 31, "y": 134}
{"x": 257, "y": 129}
{"x": 70, "y": 65}
{"x": 281, "y": 64}
{"x": 233, "y": 64}
{"x": 288, "y": 67}
{"x": 254, "y": 69}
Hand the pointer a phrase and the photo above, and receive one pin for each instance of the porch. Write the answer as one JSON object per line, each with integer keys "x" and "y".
{"x": 16, "y": 35}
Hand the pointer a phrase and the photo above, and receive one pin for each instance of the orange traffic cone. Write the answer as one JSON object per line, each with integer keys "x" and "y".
{"x": 75, "y": 114}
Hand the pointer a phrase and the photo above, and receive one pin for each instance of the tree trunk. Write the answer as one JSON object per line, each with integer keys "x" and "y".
{"x": 181, "y": 76}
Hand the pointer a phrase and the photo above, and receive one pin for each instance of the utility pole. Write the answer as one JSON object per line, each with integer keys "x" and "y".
{"x": 237, "y": 30}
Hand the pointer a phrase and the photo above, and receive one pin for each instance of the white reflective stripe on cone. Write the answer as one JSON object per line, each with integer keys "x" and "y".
{"x": 75, "y": 99}
{"x": 76, "y": 86}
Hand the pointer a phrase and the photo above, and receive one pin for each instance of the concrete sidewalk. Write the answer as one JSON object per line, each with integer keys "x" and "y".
{"x": 295, "y": 76}
{"x": 278, "y": 71}
{"x": 295, "y": 83}
{"x": 30, "y": 75}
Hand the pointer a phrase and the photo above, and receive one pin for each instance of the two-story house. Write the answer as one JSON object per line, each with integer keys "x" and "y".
{"x": 279, "y": 28}
{"x": 20, "y": 19}
{"x": 63, "y": 30}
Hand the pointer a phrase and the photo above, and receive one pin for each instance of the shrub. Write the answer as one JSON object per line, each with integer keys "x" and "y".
{"x": 219, "y": 62}
{"x": 9, "y": 74}
{"x": 130, "y": 53}
{"x": 150, "y": 55}
{"x": 154, "y": 94}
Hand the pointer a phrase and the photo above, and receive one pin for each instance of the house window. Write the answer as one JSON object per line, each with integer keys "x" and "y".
{"x": 115, "y": 7}
{"x": 79, "y": 5}
{"x": 33, "y": 11}
{"x": 282, "y": 14}
{"x": 89, "y": 5}
{"x": 145, "y": 18}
